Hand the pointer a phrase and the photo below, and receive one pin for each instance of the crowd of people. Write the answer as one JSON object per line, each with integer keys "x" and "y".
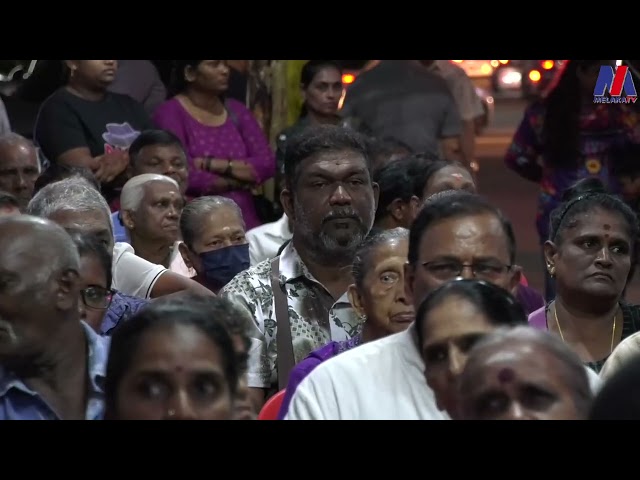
{"x": 139, "y": 281}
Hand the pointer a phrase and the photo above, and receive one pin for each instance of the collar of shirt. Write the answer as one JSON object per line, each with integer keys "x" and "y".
{"x": 97, "y": 355}
{"x": 292, "y": 268}
{"x": 278, "y": 230}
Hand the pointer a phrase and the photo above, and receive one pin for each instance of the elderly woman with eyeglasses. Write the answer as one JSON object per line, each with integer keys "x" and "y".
{"x": 100, "y": 302}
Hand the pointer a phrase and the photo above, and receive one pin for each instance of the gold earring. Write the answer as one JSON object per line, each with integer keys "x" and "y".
{"x": 552, "y": 270}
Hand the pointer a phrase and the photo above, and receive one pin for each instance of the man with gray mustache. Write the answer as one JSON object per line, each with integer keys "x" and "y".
{"x": 331, "y": 199}
{"x": 52, "y": 365}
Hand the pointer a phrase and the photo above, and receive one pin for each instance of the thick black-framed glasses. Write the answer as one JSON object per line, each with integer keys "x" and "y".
{"x": 97, "y": 297}
{"x": 449, "y": 269}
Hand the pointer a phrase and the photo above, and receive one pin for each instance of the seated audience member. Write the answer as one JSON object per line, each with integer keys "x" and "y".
{"x": 523, "y": 374}
{"x": 618, "y": 397}
{"x": 141, "y": 81}
{"x": 75, "y": 204}
{"x": 235, "y": 320}
{"x": 529, "y": 298}
{"x": 397, "y": 204}
{"x": 266, "y": 240}
{"x": 377, "y": 294}
{"x": 455, "y": 235}
{"x": 8, "y": 205}
{"x": 442, "y": 175}
{"x": 589, "y": 254}
{"x": 56, "y": 172}
{"x": 331, "y": 204}
{"x": 104, "y": 307}
{"x": 172, "y": 361}
{"x": 19, "y": 167}
{"x": 214, "y": 241}
{"x": 52, "y": 363}
{"x": 159, "y": 152}
{"x": 150, "y": 208}
{"x": 84, "y": 124}
{"x": 228, "y": 152}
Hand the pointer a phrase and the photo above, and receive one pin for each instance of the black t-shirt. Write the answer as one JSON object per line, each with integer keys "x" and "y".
{"x": 66, "y": 121}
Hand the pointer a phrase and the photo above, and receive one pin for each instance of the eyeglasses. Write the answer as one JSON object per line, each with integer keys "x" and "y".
{"x": 447, "y": 270}
{"x": 97, "y": 297}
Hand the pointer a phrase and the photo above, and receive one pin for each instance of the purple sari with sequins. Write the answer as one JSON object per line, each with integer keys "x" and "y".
{"x": 306, "y": 366}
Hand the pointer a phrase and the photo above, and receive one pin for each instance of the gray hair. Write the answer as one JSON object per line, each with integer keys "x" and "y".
{"x": 362, "y": 259}
{"x": 133, "y": 191}
{"x": 192, "y": 213}
{"x": 573, "y": 371}
{"x": 10, "y": 139}
{"x": 73, "y": 194}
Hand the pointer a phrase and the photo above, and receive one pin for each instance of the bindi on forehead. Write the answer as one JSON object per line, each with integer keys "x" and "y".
{"x": 606, "y": 226}
{"x": 506, "y": 375}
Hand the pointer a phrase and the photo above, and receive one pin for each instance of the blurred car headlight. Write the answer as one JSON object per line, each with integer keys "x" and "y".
{"x": 509, "y": 78}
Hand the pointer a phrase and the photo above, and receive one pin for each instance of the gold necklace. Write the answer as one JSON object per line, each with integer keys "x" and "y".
{"x": 613, "y": 332}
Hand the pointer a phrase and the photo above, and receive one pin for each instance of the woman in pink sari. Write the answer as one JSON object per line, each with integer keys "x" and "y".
{"x": 228, "y": 153}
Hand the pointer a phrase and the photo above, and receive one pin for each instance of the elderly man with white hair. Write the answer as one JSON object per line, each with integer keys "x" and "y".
{"x": 150, "y": 207}
{"x": 75, "y": 204}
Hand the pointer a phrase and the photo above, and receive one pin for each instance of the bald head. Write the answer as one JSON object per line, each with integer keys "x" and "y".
{"x": 524, "y": 373}
{"x": 36, "y": 245}
{"x": 39, "y": 292}
{"x": 19, "y": 167}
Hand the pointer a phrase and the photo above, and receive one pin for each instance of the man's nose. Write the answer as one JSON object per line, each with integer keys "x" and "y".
{"x": 340, "y": 196}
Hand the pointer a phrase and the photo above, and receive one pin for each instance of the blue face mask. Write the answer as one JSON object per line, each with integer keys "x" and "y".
{"x": 220, "y": 266}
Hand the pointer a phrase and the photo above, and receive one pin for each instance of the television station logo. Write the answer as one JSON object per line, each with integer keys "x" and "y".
{"x": 615, "y": 80}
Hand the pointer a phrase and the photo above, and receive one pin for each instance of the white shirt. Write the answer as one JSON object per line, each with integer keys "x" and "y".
{"x": 133, "y": 275}
{"x": 266, "y": 240}
{"x": 379, "y": 380}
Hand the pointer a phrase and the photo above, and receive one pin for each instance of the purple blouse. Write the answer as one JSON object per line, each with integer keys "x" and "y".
{"x": 306, "y": 366}
{"x": 238, "y": 138}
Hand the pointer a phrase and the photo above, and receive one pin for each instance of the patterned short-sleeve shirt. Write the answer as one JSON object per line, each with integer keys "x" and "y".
{"x": 315, "y": 317}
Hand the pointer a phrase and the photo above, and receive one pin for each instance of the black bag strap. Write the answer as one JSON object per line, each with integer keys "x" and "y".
{"x": 285, "y": 359}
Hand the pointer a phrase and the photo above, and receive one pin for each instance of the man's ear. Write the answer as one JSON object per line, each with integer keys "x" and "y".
{"x": 398, "y": 210}
{"x": 127, "y": 219}
{"x": 68, "y": 290}
{"x": 286, "y": 200}
{"x": 414, "y": 206}
{"x": 376, "y": 193}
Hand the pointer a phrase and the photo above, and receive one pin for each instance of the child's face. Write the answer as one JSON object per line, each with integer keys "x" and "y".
{"x": 630, "y": 187}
